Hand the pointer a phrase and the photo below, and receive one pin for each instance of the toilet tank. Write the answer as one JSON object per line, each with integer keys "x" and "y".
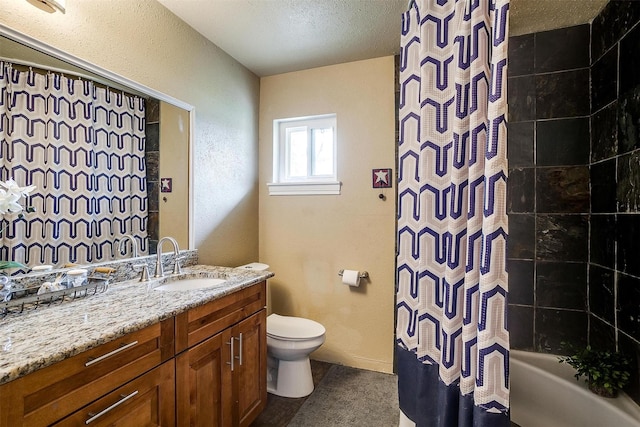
{"x": 258, "y": 266}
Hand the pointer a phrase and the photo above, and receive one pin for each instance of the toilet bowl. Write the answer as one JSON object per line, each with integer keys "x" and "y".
{"x": 290, "y": 340}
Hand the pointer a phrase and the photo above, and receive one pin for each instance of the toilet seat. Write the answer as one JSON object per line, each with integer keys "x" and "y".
{"x": 293, "y": 328}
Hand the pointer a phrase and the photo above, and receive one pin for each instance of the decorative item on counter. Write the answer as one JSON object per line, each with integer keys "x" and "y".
{"x": 50, "y": 287}
{"x": 10, "y": 194}
{"x": 5, "y": 289}
{"x": 77, "y": 277}
{"x": 42, "y": 268}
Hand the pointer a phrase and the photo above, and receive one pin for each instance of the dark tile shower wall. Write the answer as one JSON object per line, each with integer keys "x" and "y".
{"x": 152, "y": 155}
{"x": 614, "y": 261}
{"x": 549, "y": 197}
{"x": 574, "y": 189}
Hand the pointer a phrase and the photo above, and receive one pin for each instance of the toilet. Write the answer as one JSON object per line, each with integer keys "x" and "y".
{"x": 290, "y": 341}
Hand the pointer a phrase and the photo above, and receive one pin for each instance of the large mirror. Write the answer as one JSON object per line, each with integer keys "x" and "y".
{"x": 166, "y": 153}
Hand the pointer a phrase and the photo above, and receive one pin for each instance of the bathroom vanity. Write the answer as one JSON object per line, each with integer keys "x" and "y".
{"x": 135, "y": 356}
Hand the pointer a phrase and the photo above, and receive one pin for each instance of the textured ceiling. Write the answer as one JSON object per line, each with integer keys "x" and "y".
{"x": 277, "y": 36}
{"x": 531, "y": 16}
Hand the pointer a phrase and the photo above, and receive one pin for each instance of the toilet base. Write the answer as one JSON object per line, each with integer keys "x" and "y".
{"x": 290, "y": 378}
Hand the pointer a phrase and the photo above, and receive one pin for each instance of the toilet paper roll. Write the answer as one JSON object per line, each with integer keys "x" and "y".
{"x": 351, "y": 277}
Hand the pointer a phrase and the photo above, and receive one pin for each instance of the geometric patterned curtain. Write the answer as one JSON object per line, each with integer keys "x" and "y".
{"x": 83, "y": 147}
{"x": 452, "y": 335}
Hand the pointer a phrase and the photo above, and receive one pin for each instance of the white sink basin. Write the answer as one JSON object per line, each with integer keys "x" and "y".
{"x": 190, "y": 284}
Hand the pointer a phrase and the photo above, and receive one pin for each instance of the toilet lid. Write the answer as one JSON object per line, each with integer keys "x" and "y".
{"x": 293, "y": 327}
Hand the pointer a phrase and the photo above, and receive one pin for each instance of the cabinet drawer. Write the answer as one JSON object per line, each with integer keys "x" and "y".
{"x": 48, "y": 395}
{"x": 148, "y": 400}
{"x": 200, "y": 323}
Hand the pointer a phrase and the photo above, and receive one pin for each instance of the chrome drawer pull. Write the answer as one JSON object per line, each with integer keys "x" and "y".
{"x": 111, "y": 353}
{"x": 125, "y": 397}
{"x": 239, "y": 357}
{"x": 230, "y": 343}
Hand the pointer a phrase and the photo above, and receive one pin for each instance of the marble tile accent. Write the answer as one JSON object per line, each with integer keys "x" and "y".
{"x": 631, "y": 348}
{"x": 153, "y": 137}
{"x": 562, "y": 142}
{"x": 561, "y": 285}
{"x": 520, "y": 327}
{"x": 553, "y": 327}
{"x": 520, "y": 190}
{"x": 604, "y": 133}
{"x": 628, "y": 239}
{"x": 153, "y": 196}
{"x": 602, "y": 335}
{"x": 602, "y": 293}
{"x": 603, "y": 240}
{"x": 628, "y": 193}
{"x": 562, "y": 94}
{"x": 521, "y": 58}
{"x": 629, "y": 61}
{"x": 628, "y": 307}
{"x": 562, "y": 237}
{"x": 70, "y": 328}
{"x": 521, "y": 97}
{"x": 604, "y": 80}
{"x": 562, "y": 49}
{"x": 562, "y": 189}
{"x": 603, "y": 187}
{"x": 153, "y": 110}
{"x": 615, "y": 20}
{"x": 520, "y": 143}
{"x": 521, "y": 243}
{"x": 629, "y": 121}
{"x": 152, "y": 159}
{"x": 520, "y": 282}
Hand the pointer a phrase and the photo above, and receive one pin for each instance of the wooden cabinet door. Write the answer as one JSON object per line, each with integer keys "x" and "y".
{"x": 50, "y": 394}
{"x": 147, "y": 401}
{"x": 204, "y": 383}
{"x": 250, "y": 368}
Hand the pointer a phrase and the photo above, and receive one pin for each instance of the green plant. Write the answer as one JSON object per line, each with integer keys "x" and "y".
{"x": 606, "y": 372}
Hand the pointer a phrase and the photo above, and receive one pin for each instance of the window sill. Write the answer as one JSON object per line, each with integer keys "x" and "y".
{"x": 303, "y": 188}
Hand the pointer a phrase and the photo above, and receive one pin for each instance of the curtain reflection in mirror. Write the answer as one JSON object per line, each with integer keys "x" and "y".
{"x": 83, "y": 147}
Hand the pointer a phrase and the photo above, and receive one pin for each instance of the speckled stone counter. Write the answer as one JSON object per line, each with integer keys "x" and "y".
{"x": 42, "y": 337}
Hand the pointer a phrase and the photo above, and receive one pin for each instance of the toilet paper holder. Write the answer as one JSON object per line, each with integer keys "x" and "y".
{"x": 363, "y": 274}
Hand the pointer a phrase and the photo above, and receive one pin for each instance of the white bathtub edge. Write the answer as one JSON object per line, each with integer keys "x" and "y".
{"x": 561, "y": 375}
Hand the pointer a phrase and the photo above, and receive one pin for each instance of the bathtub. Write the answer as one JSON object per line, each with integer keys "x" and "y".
{"x": 544, "y": 393}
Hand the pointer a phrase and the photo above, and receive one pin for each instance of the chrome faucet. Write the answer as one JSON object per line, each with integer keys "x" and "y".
{"x": 176, "y": 253}
{"x": 144, "y": 268}
{"x": 123, "y": 245}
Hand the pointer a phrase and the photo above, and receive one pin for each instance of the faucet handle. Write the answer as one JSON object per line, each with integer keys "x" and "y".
{"x": 144, "y": 271}
{"x": 177, "y": 269}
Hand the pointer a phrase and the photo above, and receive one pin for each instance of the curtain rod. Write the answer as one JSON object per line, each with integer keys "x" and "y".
{"x": 96, "y": 79}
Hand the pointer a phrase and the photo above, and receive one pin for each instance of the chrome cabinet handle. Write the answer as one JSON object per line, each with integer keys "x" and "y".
{"x": 125, "y": 397}
{"x": 111, "y": 353}
{"x": 239, "y": 357}
{"x": 230, "y": 343}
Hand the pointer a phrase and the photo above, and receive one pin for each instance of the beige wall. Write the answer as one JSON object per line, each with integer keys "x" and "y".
{"x": 307, "y": 239}
{"x": 174, "y": 164}
{"x": 144, "y": 42}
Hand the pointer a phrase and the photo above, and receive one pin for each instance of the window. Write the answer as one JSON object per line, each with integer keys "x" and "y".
{"x": 304, "y": 156}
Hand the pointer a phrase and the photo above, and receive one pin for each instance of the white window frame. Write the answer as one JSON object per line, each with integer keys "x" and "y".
{"x": 283, "y": 183}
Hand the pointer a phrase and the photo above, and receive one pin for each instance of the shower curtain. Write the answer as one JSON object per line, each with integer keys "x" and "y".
{"x": 83, "y": 147}
{"x": 452, "y": 336}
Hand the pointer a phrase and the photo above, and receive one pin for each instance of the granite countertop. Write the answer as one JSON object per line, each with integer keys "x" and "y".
{"x": 39, "y": 338}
